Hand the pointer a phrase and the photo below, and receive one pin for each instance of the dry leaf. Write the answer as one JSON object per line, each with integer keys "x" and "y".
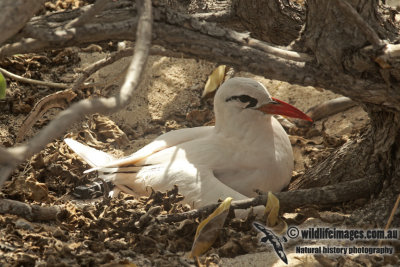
{"x": 272, "y": 211}
{"x": 207, "y": 231}
{"x": 109, "y": 130}
{"x": 214, "y": 80}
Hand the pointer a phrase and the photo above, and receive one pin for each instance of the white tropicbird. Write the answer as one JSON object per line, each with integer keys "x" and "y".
{"x": 247, "y": 149}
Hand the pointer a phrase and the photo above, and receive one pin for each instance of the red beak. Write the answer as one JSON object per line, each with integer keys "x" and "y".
{"x": 285, "y": 109}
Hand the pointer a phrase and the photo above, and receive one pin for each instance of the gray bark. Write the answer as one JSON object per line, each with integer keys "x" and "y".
{"x": 288, "y": 19}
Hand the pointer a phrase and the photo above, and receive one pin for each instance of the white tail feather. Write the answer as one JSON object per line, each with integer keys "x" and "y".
{"x": 94, "y": 157}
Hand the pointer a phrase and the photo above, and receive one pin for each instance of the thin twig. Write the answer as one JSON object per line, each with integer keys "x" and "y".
{"x": 32, "y": 81}
{"x": 102, "y": 105}
{"x": 353, "y": 15}
{"x": 101, "y": 64}
{"x": 61, "y": 99}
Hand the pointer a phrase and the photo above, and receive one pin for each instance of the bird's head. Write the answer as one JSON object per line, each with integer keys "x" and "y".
{"x": 250, "y": 98}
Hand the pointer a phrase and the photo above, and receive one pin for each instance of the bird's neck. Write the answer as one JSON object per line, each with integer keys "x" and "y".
{"x": 245, "y": 127}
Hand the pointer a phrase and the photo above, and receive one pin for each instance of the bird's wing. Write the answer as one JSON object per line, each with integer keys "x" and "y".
{"x": 190, "y": 165}
{"x": 196, "y": 182}
{"x": 211, "y": 189}
{"x": 164, "y": 141}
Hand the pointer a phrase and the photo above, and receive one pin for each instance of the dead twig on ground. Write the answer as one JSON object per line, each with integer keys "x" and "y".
{"x": 327, "y": 195}
{"x": 32, "y": 81}
{"x": 30, "y": 212}
{"x": 290, "y": 200}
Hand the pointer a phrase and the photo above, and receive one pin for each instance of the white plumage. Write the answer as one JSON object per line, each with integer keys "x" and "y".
{"x": 247, "y": 149}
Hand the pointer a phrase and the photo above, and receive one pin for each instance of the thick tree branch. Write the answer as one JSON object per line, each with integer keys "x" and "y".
{"x": 275, "y": 21}
{"x": 44, "y": 37}
{"x": 183, "y": 33}
{"x": 353, "y": 16}
{"x": 290, "y": 200}
{"x": 11, "y": 157}
{"x": 96, "y": 8}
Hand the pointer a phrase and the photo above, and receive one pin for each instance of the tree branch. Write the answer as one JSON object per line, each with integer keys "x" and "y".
{"x": 12, "y": 156}
{"x": 275, "y": 21}
{"x": 353, "y": 16}
{"x": 182, "y": 33}
{"x": 96, "y": 8}
{"x": 290, "y": 200}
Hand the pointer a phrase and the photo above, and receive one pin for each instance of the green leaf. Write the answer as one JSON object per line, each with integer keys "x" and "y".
{"x": 3, "y": 86}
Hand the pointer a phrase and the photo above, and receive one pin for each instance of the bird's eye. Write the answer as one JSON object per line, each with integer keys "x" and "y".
{"x": 244, "y": 99}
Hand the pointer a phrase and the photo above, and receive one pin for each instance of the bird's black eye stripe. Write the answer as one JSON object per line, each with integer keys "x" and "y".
{"x": 244, "y": 99}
